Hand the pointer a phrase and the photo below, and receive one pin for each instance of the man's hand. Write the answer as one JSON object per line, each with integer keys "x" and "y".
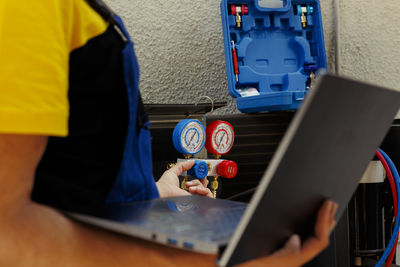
{"x": 198, "y": 187}
{"x": 168, "y": 185}
{"x": 295, "y": 255}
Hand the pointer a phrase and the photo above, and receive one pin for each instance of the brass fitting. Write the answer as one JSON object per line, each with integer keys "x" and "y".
{"x": 171, "y": 165}
{"x": 214, "y": 186}
{"x": 184, "y": 181}
{"x": 187, "y": 156}
{"x": 238, "y": 20}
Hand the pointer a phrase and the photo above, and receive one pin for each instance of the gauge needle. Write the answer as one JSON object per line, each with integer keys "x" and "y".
{"x": 191, "y": 138}
{"x": 221, "y": 139}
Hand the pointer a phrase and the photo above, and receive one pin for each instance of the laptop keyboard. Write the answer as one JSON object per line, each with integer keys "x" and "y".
{"x": 209, "y": 225}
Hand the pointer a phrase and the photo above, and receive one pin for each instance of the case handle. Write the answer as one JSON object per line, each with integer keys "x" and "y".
{"x": 273, "y": 5}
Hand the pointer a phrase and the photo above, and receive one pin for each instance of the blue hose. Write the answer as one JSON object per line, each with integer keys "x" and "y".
{"x": 392, "y": 241}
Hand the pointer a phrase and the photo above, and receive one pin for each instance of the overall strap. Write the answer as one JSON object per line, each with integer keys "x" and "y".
{"x": 100, "y": 7}
{"x": 135, "y": 180}
{"x": 108, "y": 15}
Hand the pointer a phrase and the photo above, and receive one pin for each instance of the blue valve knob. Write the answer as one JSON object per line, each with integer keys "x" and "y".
{"x": 310, "y": 10}
{"x": 299, "y": 11}
{"x": 199, "y": 169}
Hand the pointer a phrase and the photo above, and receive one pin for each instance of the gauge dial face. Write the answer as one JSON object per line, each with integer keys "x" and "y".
{"x": 222, "y": 137}
{"x": 193, "y": 137}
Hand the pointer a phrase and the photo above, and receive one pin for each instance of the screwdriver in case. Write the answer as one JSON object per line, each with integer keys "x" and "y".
{"x": 235, "y": 61}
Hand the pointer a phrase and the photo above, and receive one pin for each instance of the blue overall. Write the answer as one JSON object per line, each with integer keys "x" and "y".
{"x": 134, "y": 181}
{"x": 106, "y": 157}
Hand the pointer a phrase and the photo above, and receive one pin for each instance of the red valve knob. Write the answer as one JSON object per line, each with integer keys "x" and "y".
{"x": 245, "y": 10}
{"x": 242, "y": 9}
{"x": 227, "y": 169}
{"x": 233, "y": 10}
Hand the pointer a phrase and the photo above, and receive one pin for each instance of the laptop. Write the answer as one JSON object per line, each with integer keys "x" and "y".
{"x": 323, "y": 155}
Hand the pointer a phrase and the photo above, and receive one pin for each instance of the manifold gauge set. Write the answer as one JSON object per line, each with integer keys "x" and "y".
{"x": 190, "y": 137}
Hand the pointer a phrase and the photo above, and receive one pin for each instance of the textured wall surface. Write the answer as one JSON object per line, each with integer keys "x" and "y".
{"x": 180, "y": 49}
{"x": 370, "y": 38}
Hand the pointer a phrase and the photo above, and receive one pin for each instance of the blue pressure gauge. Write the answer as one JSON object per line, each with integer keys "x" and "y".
{"x": 189, "y": 137}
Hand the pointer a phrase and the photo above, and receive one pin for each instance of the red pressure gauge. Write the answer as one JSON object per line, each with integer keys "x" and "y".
{"x": 220, "y": 137}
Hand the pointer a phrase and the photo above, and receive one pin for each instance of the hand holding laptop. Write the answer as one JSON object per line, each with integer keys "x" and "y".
{"x": 293, "y": 254}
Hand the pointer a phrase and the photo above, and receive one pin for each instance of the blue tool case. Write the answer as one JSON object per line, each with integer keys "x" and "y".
{"x": 273, "y": 51}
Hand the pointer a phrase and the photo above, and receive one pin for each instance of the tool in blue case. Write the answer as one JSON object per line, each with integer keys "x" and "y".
{"x": 239, "y": 11}
{"x": 274, "y": 49}
{"x": 303, "y": 11}
{"x": 235, "y": 61}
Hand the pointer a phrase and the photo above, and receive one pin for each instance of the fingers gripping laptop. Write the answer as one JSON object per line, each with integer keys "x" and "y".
{"x": 322, "y": 156}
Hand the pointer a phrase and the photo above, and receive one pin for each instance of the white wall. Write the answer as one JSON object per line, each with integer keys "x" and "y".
{"x": 180, "y": 48}
{"x": 371, "y": 41}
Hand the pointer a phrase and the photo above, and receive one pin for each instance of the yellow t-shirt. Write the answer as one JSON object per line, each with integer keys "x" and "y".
{"x": 36, "y": 38}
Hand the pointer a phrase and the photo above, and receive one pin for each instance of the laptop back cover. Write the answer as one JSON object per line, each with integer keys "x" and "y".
{"x": 323, "y": 155}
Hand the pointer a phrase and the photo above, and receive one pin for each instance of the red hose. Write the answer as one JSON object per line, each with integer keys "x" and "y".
{"x": 394, "y": 194}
